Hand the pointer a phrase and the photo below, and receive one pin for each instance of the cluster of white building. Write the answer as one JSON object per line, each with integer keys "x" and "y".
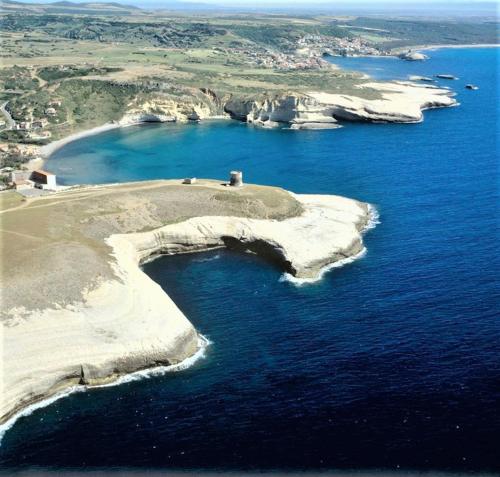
{"x": 348, "y": 46}
{"x": 272, "y": 59}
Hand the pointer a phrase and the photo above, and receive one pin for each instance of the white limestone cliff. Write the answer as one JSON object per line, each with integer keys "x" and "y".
{"x": 128, "y": 323}
{"x": 397, "y": 102}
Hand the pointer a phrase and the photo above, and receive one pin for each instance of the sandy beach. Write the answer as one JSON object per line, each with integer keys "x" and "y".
{"x": 53, "y": 146}
{"x": 437, "y": 47}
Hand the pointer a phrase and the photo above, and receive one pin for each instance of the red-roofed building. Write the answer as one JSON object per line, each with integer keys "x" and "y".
{"x": 46, "y": 179}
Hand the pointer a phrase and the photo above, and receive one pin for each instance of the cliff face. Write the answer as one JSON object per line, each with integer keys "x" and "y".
{"x": 329, "y": 229}
{"x": 299, "y": 111}
{"x": 399, "y": 102}
{"x": 202, "y": 104}
{"x": 89, "y": 325}
{"x": 124, "y": 325}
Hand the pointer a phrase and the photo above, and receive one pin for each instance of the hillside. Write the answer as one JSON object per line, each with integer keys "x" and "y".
{"x": 66, "y": 67}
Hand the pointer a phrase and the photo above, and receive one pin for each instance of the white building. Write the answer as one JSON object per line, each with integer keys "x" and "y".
{"x": 45, "y": 179}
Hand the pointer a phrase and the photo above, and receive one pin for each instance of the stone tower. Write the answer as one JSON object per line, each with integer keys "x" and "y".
{"x": 236, "y": 179}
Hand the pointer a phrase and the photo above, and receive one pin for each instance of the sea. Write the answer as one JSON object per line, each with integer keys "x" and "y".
{"x": 390, "y": 363}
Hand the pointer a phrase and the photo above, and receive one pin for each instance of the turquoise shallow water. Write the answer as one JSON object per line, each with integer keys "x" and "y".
{"x": 388, "y": 363}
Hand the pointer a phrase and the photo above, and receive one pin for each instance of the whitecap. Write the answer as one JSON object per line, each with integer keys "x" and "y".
{"x": 374, "y": 218}
{"x": 203, "y": 343}
{"x": 207, "y": 259}
{"x": 38, "y": 405}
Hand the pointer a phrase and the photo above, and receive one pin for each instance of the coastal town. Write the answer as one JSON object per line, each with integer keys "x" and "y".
{"x": 308, "y": 52}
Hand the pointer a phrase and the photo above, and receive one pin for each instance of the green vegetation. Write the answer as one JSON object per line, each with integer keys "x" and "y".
{"x": 270, "y": 31}
{"x": 395, "y": 33}
{"x": 284, "y": 37}
{"x": 67, "y": 67}
{"x": 177, "y": 35}
{"x": 17, "y": 78}
{"x": 82, "y": 99}
{"x": 53, "y": 73}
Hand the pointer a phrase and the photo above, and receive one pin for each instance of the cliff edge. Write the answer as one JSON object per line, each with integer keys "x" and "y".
{"x": 78, "y": 310}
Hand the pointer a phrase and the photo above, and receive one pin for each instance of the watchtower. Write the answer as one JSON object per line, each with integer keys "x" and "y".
{"x": 236, "y": 179}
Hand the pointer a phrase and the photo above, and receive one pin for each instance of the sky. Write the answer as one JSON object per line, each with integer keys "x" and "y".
{"x": 396, "y": 7}
{"x": 488, "y": 7}
{"x": 290, "y": 3}
{"x": 325, "y": 2}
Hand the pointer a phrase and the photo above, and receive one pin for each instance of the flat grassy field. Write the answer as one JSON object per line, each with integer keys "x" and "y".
{"x": 10, "y": 199}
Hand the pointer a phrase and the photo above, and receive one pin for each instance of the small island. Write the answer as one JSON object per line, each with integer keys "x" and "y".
{"x": 413, "y": 56}
{"x": 100, "y": 316}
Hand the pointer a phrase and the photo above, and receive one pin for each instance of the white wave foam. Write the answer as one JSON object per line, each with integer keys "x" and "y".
{"x": 38, "y": 405}
{"x": 373, "y": 221}
{"x": 287, "y": 277}
{"x": 374, "y": 218}
{"x": 203, "y": 343}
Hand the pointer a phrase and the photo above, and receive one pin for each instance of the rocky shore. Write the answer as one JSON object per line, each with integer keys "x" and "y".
{"x": 395, "y": 102}
{"x": 88, "y": 326}
{"x": 371, "y": 101}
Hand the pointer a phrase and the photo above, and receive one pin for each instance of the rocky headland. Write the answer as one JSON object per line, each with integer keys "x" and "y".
{"x": 397, "y": 102}
{"x": 394, "y": 102}
{"x": 99, "y": 316}
{"x": 362, "y": 100}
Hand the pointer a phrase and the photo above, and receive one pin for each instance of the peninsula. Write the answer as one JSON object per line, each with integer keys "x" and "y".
{"x": 100, "y": 316}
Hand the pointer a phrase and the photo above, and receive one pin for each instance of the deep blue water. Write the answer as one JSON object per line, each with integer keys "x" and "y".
{"x": 391, "y": 362}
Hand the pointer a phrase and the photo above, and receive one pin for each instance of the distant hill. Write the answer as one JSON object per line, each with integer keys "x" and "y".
{"x": 93, "y": 5}
{"x": 428, "y": 10}
{"x": 101, "y": 8}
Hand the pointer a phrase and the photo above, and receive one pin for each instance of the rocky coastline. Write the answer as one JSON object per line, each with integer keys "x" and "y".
{"x": 90, "y": 327}
{"x": 121, "y": 321}
{"x": 393, "y": 102}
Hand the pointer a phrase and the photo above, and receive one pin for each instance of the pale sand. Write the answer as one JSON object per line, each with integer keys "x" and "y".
{"x": 53, "y": 146}
{"x": 438, "y": 47}
{"x": 34, "y": 164}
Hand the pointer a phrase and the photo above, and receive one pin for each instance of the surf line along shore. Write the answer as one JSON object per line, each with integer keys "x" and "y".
{"x": 90, "y": 326}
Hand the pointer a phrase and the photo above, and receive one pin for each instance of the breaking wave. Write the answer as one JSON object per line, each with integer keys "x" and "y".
{"x": 373, "y": 221}
{"x": 287, "y": 277}
{"x": 203, "y": 344}
{"x": 207, "y": 259}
